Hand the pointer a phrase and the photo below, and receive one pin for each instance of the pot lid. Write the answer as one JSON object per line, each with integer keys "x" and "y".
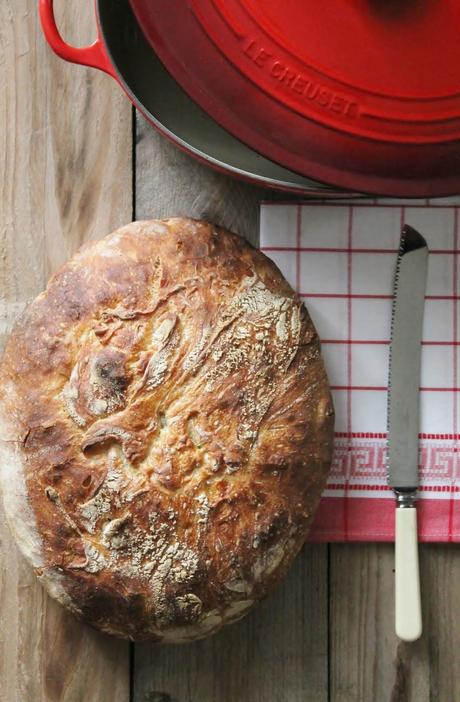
{"x": 363, "y": 94}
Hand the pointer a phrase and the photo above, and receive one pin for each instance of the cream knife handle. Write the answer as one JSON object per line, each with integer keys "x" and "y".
{"x": 407, "y": 594}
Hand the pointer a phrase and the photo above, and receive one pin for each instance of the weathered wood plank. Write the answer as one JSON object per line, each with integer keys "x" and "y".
{"x": 279, "y": 652}
{"x": 440, "y": 568}
{"x": 65, "y": 155}
{"x": 362, "y": 641}
{"x": 367, "y": 662}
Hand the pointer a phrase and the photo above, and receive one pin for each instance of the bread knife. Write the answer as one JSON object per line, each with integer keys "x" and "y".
{"x": 403, "y": 425}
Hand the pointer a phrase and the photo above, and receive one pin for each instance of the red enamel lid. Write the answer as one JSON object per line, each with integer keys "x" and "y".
{"x": 363, "y": 94}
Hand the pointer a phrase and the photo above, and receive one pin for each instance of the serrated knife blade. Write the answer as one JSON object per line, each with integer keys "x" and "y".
{"x": 405, "y": 359}
{"x": 403, "y": 424}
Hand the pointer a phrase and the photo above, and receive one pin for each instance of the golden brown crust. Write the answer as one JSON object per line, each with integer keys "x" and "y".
{"x": 166, "y": 410}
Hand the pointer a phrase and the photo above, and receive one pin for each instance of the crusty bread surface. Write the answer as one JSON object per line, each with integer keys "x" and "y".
{"x": 166, "y": 430}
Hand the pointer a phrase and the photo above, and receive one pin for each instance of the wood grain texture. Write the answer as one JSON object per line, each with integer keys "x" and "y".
{"x": 65, "y": 154}
{"x": 280, "y": 651}
{"x": 367, "y": 662}
{"x": 440, "y": 578}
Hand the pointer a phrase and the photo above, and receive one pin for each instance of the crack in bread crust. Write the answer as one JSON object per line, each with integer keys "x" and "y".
{"x": 166, "y": 427}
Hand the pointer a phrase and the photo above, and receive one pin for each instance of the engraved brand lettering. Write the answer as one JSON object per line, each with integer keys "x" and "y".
{"x": 262, "y": 57}
{"x": 299, "y": 85}
{"x": 309, "y": 90}
{"x": 337, "y": 104}
{"x": 312, "y": 90}
{"x": 257, "y": 54}
{"x": 251, "y": 49}
{"x": 289, "y": 78}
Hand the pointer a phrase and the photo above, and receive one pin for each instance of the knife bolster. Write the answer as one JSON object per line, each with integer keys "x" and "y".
{"x": 405, "y": 498}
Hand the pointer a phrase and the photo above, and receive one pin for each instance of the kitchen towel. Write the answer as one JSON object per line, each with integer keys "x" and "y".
{"x": 341, "y": 259}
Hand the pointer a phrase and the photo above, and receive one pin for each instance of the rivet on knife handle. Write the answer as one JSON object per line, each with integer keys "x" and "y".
{"x": 403, "y": 424}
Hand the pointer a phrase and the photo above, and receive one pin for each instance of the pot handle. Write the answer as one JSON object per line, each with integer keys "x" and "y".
{"x": 93, "y": 55}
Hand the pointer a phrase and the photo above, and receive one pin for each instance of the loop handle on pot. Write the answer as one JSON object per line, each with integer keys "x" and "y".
{"x": 93, "y": 55}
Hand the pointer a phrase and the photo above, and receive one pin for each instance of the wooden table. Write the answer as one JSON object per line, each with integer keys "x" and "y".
{"x": 76, "y": 163}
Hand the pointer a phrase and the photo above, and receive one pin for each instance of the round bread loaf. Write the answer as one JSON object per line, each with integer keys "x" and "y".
{"x": 166, "y": 427}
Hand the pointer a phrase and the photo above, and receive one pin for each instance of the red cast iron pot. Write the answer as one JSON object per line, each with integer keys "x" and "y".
{"x": 359, "y": 94}
{"x": 122, "y": 51}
